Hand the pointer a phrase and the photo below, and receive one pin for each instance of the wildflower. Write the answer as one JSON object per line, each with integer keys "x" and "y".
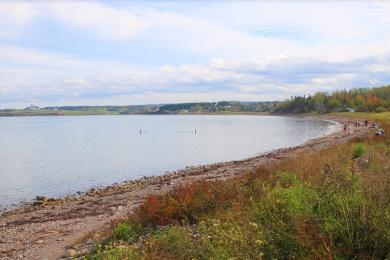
{"x": 253, "y": 224}
{"x": 259, "y": 242}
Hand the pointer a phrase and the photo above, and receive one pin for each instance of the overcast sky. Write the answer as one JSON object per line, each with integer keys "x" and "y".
{"x": 118, "y": 53}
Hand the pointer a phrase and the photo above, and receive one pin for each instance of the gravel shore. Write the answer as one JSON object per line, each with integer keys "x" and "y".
{"x": 70, "y": 226}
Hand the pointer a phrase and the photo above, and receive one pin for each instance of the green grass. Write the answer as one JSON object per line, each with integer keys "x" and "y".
{"x": 359, "y": 150}
{"x": 383, "y": 116}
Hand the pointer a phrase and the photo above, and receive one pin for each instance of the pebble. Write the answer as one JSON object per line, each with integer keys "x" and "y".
{"x": 71, "y": 252}
{"x": 40, "y": 241}
{"x": 39, "y": 202}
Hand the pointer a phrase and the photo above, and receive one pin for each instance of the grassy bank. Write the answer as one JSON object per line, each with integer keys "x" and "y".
{"x": 334, "y": 203}
{"x": 383, "y": 117}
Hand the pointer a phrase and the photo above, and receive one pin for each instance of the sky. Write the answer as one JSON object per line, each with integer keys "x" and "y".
{"x": 56, "y": 53}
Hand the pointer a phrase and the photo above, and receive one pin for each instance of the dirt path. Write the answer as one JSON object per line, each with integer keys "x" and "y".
{"x": 70, "y": 226}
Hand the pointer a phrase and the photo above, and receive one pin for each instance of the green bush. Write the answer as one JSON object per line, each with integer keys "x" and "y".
{"x": 128, "y": 233}
{"x": 173, "y": 242}
{"x": 380, "y": 109}
{"x": 104, "y": 253}
{"x": 359, "y": 150}
{"x": 285, "y": 203}
{"x": 232, "y": 237}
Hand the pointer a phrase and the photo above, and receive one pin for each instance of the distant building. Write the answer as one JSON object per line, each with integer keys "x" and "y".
{"x": 32, "y": 107}
{"x": 350, "y": 110}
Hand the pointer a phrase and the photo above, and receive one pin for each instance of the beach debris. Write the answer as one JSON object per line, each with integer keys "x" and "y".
{"x": 40, "y": 198}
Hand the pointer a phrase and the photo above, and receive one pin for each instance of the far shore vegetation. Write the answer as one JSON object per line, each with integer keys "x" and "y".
{"x": 354, "y": 100}
{"x": 329, "y": 204}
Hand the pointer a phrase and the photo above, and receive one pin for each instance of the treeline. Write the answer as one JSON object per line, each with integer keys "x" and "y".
{"x": 131, "y": 109}
{"x": 222, "y": 106}
{"x": 358, "y": 99}
{"x": 81, "y": 110}
{"x": 183, "y": 108}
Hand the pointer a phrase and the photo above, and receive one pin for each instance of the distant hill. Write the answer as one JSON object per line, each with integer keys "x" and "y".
{"x": 222, "y": 106}
{"x": 201, "y": 107}
{"x": 132, "y": 109}
{"x": 358, "y": 99}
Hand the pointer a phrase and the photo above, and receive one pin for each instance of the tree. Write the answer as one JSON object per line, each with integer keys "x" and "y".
{"x": 319, "y": 100}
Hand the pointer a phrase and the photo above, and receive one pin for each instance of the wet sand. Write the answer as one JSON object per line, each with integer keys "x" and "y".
{"x": 70, "y": 226}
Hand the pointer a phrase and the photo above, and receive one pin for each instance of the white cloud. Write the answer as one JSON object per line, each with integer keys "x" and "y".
{"x": 256, "y": 50}
{"x": 105, "y": 21}
{"x": 58, "y": 78}
{"x": 171, "y": 28}
{"x": 14, "y": 16}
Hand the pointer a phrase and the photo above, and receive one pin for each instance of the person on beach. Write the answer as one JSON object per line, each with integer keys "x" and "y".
{"x": 381, "y": 132}
{"x": 345, "y": 128}
{"x": 366, "y": 123}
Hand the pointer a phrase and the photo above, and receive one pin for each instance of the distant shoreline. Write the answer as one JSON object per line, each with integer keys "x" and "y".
{"x": 223, "y": 107}
{"x": 133, "y": 114}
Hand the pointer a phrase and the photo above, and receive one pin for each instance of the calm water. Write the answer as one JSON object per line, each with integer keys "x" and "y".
{"x": 55, "y": 156}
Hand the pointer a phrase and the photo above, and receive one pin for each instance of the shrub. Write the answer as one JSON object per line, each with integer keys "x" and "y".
{"x": 187, "y": 203}
{"x": 113, "y": 253}
{"x": 359, "y": 150}
{"x": 287, "y": 201}
{"x": 173, "y": 242}
{"x": 124, "y": 232}
{"x": 128, "y": 232}
{"x": 380, "y": 109}
{"x": 232, "y": 237}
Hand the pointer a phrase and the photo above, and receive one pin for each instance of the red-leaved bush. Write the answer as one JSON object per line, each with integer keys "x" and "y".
{"x": 186, "y": 203}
